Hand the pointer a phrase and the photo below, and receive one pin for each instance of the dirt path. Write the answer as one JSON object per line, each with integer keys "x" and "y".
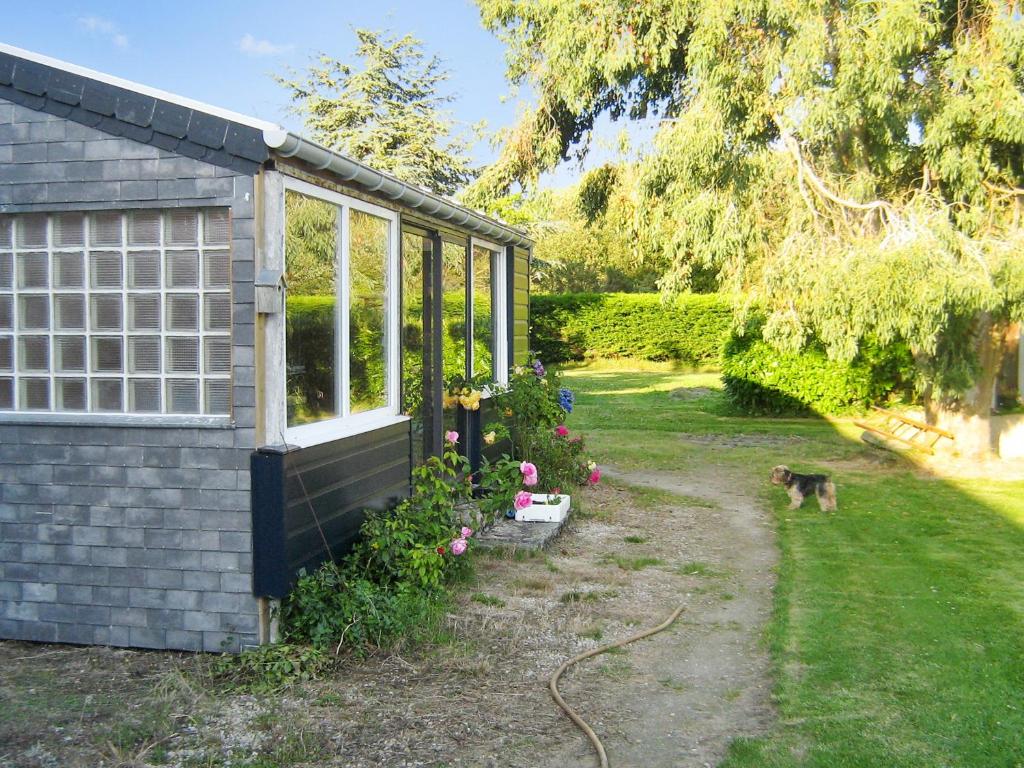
{"x": 704, "y": 681}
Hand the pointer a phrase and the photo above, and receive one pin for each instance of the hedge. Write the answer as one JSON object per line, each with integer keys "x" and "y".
{"x": 759, "y": 379}
{"x": 698, "y": 330}
{"x": 691, "y": 329}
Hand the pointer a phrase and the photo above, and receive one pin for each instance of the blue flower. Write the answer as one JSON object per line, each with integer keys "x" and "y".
{"x": 566, "y": 399}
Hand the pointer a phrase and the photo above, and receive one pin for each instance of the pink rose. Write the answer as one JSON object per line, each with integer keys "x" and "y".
{"x": 528, "y": 469}
{"x": 530, "y": 479}
{"x": 451, "y": 436}
{"x": 523, "y": 500}
{"x": 561, "y": 430}
{"x": 595, "y": 476}
{"x": 459, "y": 546}
{"x": 466, "y": 532}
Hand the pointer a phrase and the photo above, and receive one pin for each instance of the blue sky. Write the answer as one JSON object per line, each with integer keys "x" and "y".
{"x": 224, "y": 52}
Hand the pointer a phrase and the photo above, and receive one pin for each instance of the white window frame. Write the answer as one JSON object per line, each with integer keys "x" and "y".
{"x": 499, "y": 308}
{"x": 346, "y": 423}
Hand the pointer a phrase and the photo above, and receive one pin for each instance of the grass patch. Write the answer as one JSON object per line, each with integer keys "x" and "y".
{"x": 638, "y": 563}
{"x": 491, "y": 600}
{"x": 592, "y": 633}
{"x": 698, "y": 568}
{"x": 635, "y": 539}
{"x": 588, "y": 597}
{"x": 897, "y": 621}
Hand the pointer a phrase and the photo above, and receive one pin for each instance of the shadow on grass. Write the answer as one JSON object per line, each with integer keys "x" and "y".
{"x": 898, "y": 631}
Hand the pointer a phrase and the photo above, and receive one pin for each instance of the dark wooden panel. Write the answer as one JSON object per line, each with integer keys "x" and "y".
{"x": 308, "y": 502}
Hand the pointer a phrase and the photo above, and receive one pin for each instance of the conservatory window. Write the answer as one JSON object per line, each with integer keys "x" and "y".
{"x": 341, "y": 324}
{"x": 488, "y": 357}
{"x": 116, "y": 312}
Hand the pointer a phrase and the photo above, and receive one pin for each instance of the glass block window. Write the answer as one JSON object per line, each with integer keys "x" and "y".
{"x": 116, "y": 312}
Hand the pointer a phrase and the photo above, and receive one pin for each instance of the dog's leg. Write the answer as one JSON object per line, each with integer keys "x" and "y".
{"x": 796, "y": 499}
{"x": 826, "y": 493}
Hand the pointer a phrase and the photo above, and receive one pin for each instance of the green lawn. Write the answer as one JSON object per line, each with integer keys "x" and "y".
{"x": 898, "y": 636}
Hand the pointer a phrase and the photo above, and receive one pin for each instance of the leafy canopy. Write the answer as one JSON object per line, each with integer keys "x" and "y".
{"x": 388, "y": 112}
{"x": 856, "y": 168}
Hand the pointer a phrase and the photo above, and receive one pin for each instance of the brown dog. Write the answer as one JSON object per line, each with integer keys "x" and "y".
{"x": 800, "y": 486}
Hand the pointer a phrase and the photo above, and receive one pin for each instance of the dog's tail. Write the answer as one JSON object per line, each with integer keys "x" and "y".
{"x": 827, "y": 496}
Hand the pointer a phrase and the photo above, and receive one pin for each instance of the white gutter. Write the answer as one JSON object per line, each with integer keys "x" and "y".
{"x": 287, "y": 144}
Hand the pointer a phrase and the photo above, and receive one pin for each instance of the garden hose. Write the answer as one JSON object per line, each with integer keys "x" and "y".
{"x": 579, "y": 721}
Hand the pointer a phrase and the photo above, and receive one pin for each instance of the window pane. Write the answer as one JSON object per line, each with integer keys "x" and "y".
{"x": 6, "y": 271}
{"x": 483, "y": 320}
{"x": 35, "y": 312}
{"x": 311, "y": 248}
{"x": 182, "y": 355}
{"x": 107, "y": 355}
{"x": 182, "y": 396}
{"x": 70, "y": 395}
{"x": 415, "y": 251}
{"x": 6, "y": 353}
{"x": 217, "y": 398}
{"x": 144, "y": 354}
{"x": 34, "y": 354}
{"x": 105, "y": 270}
{"x": 105, "y": 313}
{"x": 6, "y": 394}
{"x": 70, "y": 353}
{"x": 368, "y": 262}
{"x": 69, "y": 229}
{"x": 106, "y": 395}
{"x": 144, "y": 270}
{"x": 70, "y": 311}
{"x": 216, "y": 229}
{"x": 182, "y": 228}
{"x": 35, "y": 394}
{"x": 105, "y": 229}
{"x": 32, "y": 230}
{"x": 68, "y": 270}
{"x": 144, "y": 228}
{"x": 32, "y": 270}
{"x": 183, "y": 269}
{"x": 144, "y": 395}
{"x": 453, "y": 310}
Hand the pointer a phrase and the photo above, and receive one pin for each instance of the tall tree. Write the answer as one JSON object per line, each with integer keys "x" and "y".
{"x": 855, "y": 168}
{"x": 387, "y": 111}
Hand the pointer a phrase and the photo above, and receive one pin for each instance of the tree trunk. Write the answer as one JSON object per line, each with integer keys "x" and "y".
{"x": 969, "y": 416}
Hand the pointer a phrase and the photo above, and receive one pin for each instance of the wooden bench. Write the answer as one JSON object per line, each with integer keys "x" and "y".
{"x": 911, "y": 432}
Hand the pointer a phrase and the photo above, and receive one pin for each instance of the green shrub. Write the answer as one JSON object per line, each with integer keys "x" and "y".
{"x": 760, "y": 379}
{"x": 393, "y": 581}
{"x": 690, "y": 329}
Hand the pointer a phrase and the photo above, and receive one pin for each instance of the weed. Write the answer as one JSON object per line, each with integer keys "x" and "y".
{"x": 491, "y": 600}
{"x": 632, "y": 563}
{"x": 635, "y": 539}
{"x": 592, "y": 633}
{"x": 574, "y": 596}
{"x": 698, "y": 568}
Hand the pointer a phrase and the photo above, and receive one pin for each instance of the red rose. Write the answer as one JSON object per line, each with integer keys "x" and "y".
{"x": 440, "y": 550}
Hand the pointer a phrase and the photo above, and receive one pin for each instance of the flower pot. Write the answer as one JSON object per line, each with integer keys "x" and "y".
{"x": 542, "y": 512}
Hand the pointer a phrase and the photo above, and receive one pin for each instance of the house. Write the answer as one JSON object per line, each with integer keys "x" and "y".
{"x": 219, "y": 343}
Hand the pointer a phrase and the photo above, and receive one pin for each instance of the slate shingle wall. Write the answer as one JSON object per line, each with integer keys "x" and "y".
{"x": 134, "y": 536}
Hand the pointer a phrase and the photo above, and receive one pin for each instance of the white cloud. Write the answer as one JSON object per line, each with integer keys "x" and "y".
{"x": 104, "y": 28}
{"x": 250, "y": 45}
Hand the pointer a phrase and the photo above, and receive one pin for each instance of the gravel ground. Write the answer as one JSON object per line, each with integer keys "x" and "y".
{"x": 479, "y": 697}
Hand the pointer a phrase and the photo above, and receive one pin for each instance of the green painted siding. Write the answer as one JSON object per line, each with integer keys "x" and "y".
{"x": 521, "y": 307}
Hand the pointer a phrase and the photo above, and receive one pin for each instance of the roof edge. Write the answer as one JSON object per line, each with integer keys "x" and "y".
{"x": 131, "y": 85}
{"x": 287, "y": 144}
